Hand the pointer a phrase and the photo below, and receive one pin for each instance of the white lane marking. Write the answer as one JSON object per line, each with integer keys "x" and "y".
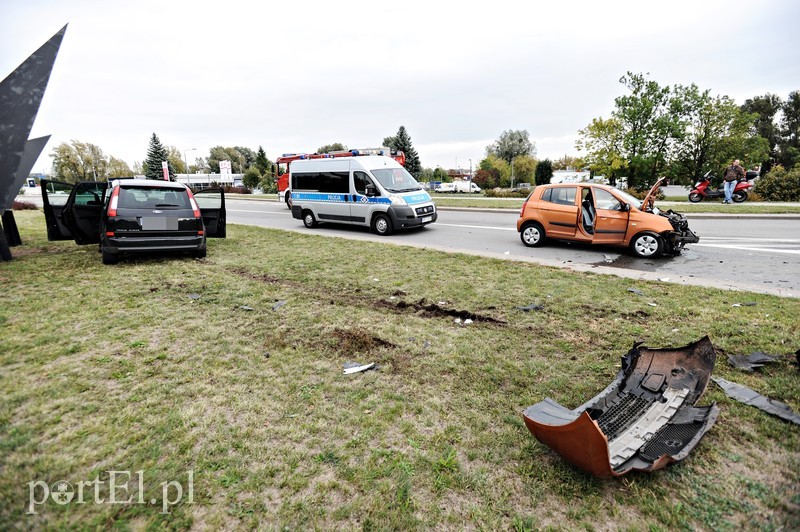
{"x": 478, "y": 226}
{"x": 752, "y": 238}
{"x": 746, "y": 248}
{"x": 259, "y": 212}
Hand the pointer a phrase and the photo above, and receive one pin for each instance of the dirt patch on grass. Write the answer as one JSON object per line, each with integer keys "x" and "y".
{"x": 433, "y": 310}
{"x": 359, "y": 341}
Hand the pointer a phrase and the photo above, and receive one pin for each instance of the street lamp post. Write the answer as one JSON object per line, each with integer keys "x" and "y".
{"x": 470, "y": 176}
{"x": 512, "y": 173}
{"x": 186, "y": 162}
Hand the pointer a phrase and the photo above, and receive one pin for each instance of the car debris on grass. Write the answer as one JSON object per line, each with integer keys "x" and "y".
{"x": 748, "y": 396}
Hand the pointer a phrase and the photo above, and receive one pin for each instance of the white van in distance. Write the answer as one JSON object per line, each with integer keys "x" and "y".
{"x": 374, "y": 191}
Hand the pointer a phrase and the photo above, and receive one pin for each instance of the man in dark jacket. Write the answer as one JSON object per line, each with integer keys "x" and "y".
{"x": 732, "y": 174}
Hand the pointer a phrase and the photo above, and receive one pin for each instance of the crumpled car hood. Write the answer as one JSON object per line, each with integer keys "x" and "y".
{"x": 644, "y": 420}
{"x": 650, "y": 199}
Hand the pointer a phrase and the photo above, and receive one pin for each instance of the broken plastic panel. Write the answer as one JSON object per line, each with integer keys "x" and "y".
{"x": 748, "y": 396}
{"x": 644, "y": 420}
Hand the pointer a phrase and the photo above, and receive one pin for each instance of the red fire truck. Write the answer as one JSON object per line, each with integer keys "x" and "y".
{"x": 282, "y": 163}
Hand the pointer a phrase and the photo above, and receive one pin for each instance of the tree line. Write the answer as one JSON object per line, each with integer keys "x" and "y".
{"x": 682, "y": 132}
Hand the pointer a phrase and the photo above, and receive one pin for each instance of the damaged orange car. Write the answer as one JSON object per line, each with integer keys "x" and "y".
{"x": 600, "y": 214}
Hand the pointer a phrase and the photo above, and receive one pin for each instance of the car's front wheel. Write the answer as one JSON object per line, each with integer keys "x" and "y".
{"x": 382, "y": 225}
{"x": 532, "y": 235}
{"x": 647, "y": 245}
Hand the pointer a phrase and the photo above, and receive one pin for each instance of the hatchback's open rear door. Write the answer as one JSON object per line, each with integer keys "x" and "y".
{"x": 212, "y": 208}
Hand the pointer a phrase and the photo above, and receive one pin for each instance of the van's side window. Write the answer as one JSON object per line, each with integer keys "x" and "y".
{"x": 331, "y": 182}
{"x": 361, "y": 181}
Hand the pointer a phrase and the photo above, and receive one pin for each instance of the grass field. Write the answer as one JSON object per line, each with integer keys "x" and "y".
{"x": 167, "y": 365}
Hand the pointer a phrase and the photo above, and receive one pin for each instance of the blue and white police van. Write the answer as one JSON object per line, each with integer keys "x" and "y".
{"x": 374, "y": 191}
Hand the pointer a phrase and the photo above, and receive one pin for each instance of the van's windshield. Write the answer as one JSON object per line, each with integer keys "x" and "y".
{"x": 396, "y": 180}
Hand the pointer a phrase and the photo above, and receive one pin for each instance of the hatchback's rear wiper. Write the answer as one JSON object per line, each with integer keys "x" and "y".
{"x": 166, "y": 205}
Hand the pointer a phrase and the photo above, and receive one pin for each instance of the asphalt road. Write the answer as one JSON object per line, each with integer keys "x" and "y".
{"x": 760, "y": 255}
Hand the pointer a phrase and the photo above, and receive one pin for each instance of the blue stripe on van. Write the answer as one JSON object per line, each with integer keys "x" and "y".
{"x": 321, "y": 196}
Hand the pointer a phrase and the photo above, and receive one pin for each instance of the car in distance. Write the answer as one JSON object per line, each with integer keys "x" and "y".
{"x": 133, "y": 215}
{"x": 600, "y": 214}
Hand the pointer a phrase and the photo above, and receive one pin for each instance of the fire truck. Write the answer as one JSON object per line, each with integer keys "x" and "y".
{"x": 282, "y": 163}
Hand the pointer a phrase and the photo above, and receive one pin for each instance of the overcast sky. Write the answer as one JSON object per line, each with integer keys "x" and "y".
{"x": 292, "y": 76}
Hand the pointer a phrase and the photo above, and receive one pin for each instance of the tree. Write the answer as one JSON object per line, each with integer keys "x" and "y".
{"x": 336, "y": 146}
{"x": 499, "y": 169}
{"x": 118, "y": 168}
{"x": 568, "y": 162}
{"x": 263, "y": 164}
{"x": 766, "y": 108}
{"x": 512, "y": 144}
{"x": 402, "y": 142}
{"x": 249, "y": 157}
{"x": 251, "y": 177}
{"x": 484, "y": 179}
{"x": 602, "y": 139}
{"x": 156, "y": 154}
{"x": 789, "y": 155}
{"x": 524, "y": 169}
{"x": 176, "y": 160}
{"x": 544, "y": 172}
{"x": 79, "y": 161}
{"x": 439, "y": 174}
{"x": 218, "y": 153}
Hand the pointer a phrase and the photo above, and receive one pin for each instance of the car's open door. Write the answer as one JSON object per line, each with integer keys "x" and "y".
{"x": 54, "y": 196}
{"x": 212, "y": 208}
{"x": 81, "y": 214}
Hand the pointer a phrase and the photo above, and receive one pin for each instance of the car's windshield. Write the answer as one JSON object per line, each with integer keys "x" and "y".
{"x": 153, "y": 198}
{"x": 635, "y": 202}
{"x": 396, "y": 180}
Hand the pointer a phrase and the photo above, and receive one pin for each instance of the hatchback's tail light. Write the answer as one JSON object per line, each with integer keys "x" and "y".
{"x": 112, "y": 204}
{"x": 522, "y": 212}
{"x": 195, "y": 208}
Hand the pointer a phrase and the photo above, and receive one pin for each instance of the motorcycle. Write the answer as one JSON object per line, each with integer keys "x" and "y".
{"x": 702, "y": 189}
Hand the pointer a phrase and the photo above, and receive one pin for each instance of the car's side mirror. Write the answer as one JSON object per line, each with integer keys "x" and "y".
{"x": 626, "y": 207}
{"x": 371, "y": 190}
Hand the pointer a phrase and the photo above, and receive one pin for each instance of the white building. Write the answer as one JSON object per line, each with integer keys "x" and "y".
{"x": 201, "y": 181}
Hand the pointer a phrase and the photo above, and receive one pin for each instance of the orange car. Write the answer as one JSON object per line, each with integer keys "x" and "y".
{"x": 600, "y": 214}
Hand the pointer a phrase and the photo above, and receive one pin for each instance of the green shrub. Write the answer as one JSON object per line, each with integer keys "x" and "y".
{"x": 506, "y": 193}
{"x": 24, "y": 206}
{"x": 779, "y": 185}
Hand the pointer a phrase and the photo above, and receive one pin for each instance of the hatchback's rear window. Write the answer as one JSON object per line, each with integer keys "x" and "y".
{"x": 153, "y": 198}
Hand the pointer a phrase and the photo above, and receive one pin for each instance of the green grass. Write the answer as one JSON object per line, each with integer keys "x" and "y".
{"x": 116, "y": 368}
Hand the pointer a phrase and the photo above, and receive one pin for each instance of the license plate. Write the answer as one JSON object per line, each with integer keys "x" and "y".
{"x": 426, "y": 219}
{"x": 159, "y": 223}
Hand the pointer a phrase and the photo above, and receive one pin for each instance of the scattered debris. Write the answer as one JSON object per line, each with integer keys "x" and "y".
{"x": 267, "y": 354}
{"x": 399, "y": 293}
{"x": 664, "y": 279}
{"x": 745, "y": 395}
{"x": 458, "y": 320}
{"x": 467, "y": 321}
{"x": 245, "y": 307}
{"x": 644, "y": 420}
{"x": 357, "y": 367}
{"x": 279, "y": 304}
{"x": 675, "y": 330}
{"x": 608, "y": 258}
{"x": 749, "y": 304}
{"x": 736, "y": 305}
{"x": 194, "y": 296}
{"x": 751, "y": 361}
{"x": 376, "y": 279}
{"x": 154, "y": 289}
{"x": 440, "y": 303}
{"x": 652, "y": 304}
{"x": 636, "y": 291}
{"x": 427, "y": 344}
{"x": 532, "y": 306}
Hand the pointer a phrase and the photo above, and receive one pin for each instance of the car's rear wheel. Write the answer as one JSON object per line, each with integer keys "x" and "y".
{"x": 647, "y": 245}
{"x": 532, "y": 234}
{"x": 309, "y": 220}
{"x": 109, "y": 258}
{"x": 382, "y": 225}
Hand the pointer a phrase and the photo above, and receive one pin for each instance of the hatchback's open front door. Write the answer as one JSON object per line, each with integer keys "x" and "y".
{"x": 83, "y": 210}
{"x": 212, "y": 208}
{"x": 55, "y": 195}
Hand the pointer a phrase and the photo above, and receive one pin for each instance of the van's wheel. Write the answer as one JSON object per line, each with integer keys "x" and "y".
{"x": 309, "y": 220}
{"x": 109, "y": 258}
{"x": 694, "y": 197}
{"x": 739, "y": 197}
{"x": 382, "y": 225}
{"x": 532, "y": 234}
{"x": 289, "y": 201}
{"x": 647, "y": 245}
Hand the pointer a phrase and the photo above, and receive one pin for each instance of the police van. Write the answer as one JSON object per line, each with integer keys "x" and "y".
{"x": 374, "y": 191}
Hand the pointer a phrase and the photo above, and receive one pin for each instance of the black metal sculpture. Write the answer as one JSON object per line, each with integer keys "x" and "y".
{"x": 21, "y": 94}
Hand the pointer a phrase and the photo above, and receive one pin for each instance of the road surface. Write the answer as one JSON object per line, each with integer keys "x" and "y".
{"x": 761, "y": 255}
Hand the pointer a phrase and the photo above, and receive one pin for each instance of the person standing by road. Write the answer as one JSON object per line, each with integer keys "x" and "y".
{"x": 732, "y": 174}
